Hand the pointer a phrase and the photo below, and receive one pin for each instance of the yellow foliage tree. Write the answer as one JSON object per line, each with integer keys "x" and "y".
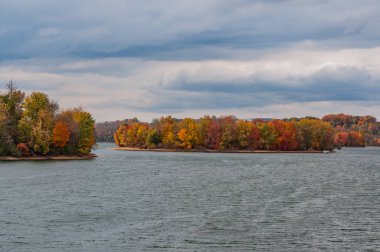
{"x": 189, "y": 133}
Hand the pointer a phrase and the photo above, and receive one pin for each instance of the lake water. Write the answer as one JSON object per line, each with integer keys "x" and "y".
{"x": 134, "y": 201}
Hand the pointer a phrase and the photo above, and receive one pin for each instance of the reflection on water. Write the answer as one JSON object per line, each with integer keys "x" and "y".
{"x": 128, "y": 201}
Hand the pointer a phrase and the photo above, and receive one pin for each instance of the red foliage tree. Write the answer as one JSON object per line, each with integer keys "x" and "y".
{"x": 355, "y": 139}
{"x": 340, "y": 139}
{"x": 213, "y": 135}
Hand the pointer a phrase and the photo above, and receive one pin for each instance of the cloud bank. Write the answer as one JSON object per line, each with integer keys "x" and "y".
{"x": 187, "y": 58}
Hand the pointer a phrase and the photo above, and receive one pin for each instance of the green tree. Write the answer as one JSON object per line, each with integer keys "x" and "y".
{"x": 10, "y": 115}
{"x": 152, "y": 138}
{"x": 268, "y": 136}
{"x": 86, "y": 126}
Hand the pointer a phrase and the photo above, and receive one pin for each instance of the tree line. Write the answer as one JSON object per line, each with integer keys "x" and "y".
{"x": 105, "y": 130}
{"x": 34, "y": 125}
{"x": 228, "y": 133}
{"x": 355, "y": 131}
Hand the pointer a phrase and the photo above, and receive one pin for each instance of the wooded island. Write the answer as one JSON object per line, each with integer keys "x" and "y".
{"x": 229, "y": 134}
{"x": 34, "y": 127}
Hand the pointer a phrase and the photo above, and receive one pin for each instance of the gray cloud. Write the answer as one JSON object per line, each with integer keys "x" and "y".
{"x": 179, "y": 56}
{"x": 327, "y": 84}
{"x": 168, "y": 30}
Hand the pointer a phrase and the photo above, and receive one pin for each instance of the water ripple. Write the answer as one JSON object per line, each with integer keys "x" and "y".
{"x": 131, "y": 201}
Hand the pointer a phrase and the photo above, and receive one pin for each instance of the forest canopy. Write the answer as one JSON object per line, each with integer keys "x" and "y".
{"x": 230, "y": 133}
{"x": 227, "y": 133}
{"x": 34, "y": 125}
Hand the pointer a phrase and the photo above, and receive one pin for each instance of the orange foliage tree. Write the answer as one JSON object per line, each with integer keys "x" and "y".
{"x": 286, "y": 135}
{"x": 340, "y": 139}
{"x": 61, "y": 134}
{"x": 120, "y": 135}
{"x": 188, "y": 134}
{"x": 355, "y": 139}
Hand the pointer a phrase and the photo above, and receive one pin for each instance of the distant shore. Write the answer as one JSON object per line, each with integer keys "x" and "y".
{"x": 43, "y": 158}
{"x": 215, "y": 151}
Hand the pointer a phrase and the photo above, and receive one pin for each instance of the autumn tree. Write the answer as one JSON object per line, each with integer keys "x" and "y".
{"x": 377, "y": 141}
{"x": 203, "y": 127}
{"x": 254, "y": 137}
{"x": 61, "y": 134}
{"x": 141, "y": 135}
{"x": 189, "y": 134}
{"x": 40, "y": 138}
{"x": 167, "y": 129}
{"x": 355, "y": 139}
{"x": 340, "y": 139}
{"x": 286, "y": 133}
{"x": 23, "y": 149}
{"x": 37, "y": 122}
{"x": 342, "y": 120}
{"x": 268, "y": 136}
{"x": 66, "y": 116}
{"x": 244, "y": 131}
{"x": 305, "y": 133}
{"x": 324, "y": 136}
{"x": 32, "y": 126}
{"x": 120, "y": 135}
{"x": 228, "y": 129}
{"x": 213, "y": 135}
{"x": 228, "y": 133}
{"x": 132, "y": 134}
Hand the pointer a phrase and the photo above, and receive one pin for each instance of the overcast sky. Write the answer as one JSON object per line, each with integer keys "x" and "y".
{"x": 270, "y": 58}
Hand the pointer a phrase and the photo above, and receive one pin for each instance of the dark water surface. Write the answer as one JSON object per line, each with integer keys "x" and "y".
{"x": 133, "y": 201}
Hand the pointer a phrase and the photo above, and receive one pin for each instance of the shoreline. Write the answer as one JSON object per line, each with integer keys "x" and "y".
{"x": 47, "y": 158}
{"x": 219, "y": 151}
